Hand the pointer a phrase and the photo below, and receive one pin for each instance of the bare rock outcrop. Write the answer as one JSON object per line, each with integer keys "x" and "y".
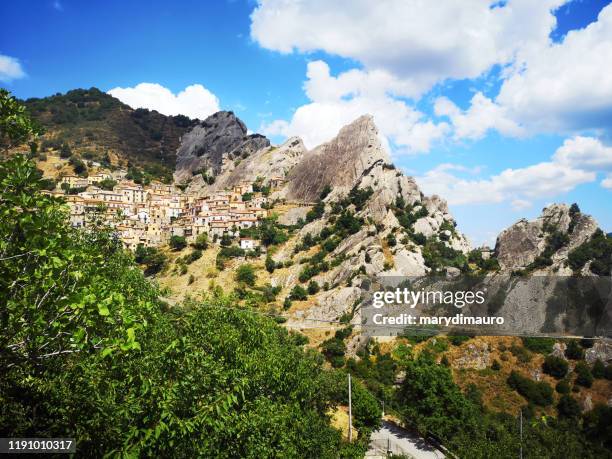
{"x": 520, "y": 245}
{"x": 219, "y": 137}
{"x": 339, "y": 162}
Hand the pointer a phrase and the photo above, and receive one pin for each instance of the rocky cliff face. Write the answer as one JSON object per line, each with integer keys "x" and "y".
{"x": 219, "y": 138}
{"x": 554, "y": 234}
{"x": 338, "y": 163}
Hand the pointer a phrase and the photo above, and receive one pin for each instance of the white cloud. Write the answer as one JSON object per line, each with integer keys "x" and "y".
{"x": 10, "y": 69}
{"x": 482, "y": 116}
{"x": 577, "y": 161}
{"x": 586, "y": 153}
{"x": 337, "y": 100}
{"x": 518, "y": 185}
{"x": 194, "y": 101}
{"x": 565, "y": 86}
{"x": 422, "y": 43}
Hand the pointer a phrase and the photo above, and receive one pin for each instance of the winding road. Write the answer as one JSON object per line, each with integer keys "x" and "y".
{"x": 391, "y": 437}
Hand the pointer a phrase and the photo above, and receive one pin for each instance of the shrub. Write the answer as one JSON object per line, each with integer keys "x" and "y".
{"x": 201, "y": 242}
{"x": 333, "y": 349}
{"x": 270, "y": 264}
{"x": 539, "y": 393}
{"x": 539, "y": 345}
{"x": 522, "y": 354}
{"x": 555, "y": 366}
{"x": 153, "y": 260}
{"x": 574, "y": 351}
{"x": 599, "y": 369}
{"x": 298, "y": 293}
{"x": 65, "y": 151}
{"x": 246, "y": 274}
{"x": 496, "y": 365}
{"x": 313, "y": 287}
{"x": 563, "y": 387}
{"x": 193, "y": 256}
{"x": 177, "y": 242}
{"x": 568, "y": 407}
{"x": 457, "y": 340}
{"x": 584, "y": 377}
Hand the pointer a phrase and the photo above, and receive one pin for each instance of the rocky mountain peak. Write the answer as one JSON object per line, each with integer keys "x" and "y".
{"x": 340, "y": 162}
{"x": 559, "y": 229}
{"x": 220, "y": 137}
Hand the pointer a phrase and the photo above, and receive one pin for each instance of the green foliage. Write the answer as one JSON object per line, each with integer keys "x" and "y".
{"x": 522, "y": 354}
{"x": 431, "y": 399}
{"x": 107, "y": 184}
{"x": 16, "y": 127}
{"x": 195, "y": 254}
{"x": 65, "y": 151}
{"x": 177, "y": 242}
{"x": 313, "y": 288}
{"x": 326, "y": 190}
{"x": 555, "y": 366}
{"x": 298, "y": 293}
{"x": 598, "y": 249}
{"x": 64, "y": 291}
{"x": 358, "y": 197}
{"x": 270, "y": 264}
{"x": 584, "y": 377}
{"x": 366, "y": 409}
{"x": 201, "y": 242}
{"x": 563, "y": 387}
{"x": 539, "y": 345}
{"x": 539, "y": 393}
{"x": 271, "y": 233}
{"x": 568, "y": 407}
{"x": 246, "y": 274}
{"x": 316, "y": 212}
{"x": 573, "y": 350}
{"x": 599, "y": 369}
{"x": 78, "y": 166}
{"x": 438, "y": 255}
{"x": 153, "y": 260}
{"x": 334, "y": 349}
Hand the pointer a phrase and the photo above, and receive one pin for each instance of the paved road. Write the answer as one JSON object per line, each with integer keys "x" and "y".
{"x": 400, "y": 441}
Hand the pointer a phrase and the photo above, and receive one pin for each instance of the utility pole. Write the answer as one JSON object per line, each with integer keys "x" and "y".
{"x": 521, "y": 429}
{"x": 350, "y": 426}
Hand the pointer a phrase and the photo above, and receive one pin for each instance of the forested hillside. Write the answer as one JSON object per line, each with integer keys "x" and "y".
{"x": 95, "y": 124}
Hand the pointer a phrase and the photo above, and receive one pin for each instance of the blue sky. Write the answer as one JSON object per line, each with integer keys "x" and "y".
{"x": 501, "y": 109}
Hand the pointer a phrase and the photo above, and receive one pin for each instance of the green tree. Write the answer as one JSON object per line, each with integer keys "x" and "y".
{"x": 177, "y": 242}
{"x": 568, "y": 407}
{"x": 270, "y": 264}
{"x": 313, "y": 287}
{"x": 201, "y": 242}
{"x": 246, "y": 274}
{"x": 555, "y": 366}
{"x": 65, "y": 151}
{"x": 16, "y": 127}
{"x": 152, "y": 258}
{"x": 584, "y": 377}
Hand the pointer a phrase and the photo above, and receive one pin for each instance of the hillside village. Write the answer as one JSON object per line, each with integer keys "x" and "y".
{"x": 150, "y": 215}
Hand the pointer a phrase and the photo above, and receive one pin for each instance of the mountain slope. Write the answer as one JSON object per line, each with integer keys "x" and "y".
{"x": 90, "y": 120}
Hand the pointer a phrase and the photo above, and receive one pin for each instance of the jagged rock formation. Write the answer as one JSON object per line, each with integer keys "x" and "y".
{"x": 339, "y": 162}
{"x": 219, "y": 137}
{"x": 266, "y": 164}
{"x": 519, "y": 246}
